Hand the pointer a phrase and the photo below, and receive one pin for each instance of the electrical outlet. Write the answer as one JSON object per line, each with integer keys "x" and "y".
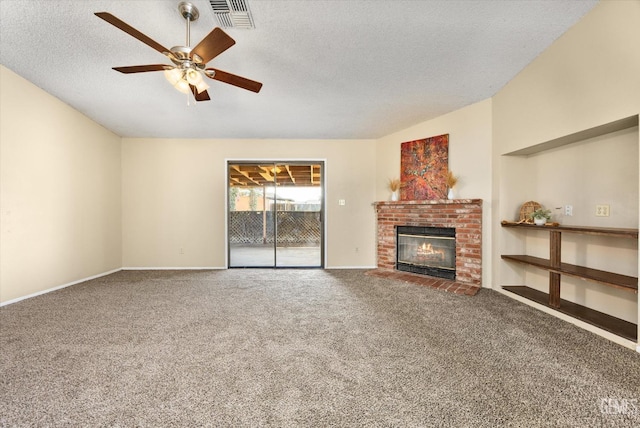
{"x": 342, "y": 202}
{"x": 602, "y": 210}
{"x": 568, "y": 210}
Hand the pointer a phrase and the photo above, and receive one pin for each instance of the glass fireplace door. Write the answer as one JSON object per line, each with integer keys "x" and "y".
{"x": 426, "y": 250}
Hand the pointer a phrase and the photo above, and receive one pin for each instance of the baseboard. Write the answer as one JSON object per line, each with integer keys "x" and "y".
{"x": 49, "y": 290}
{"x": 350, "y": 267}
{"x": 174, "y": 268}
{"x": 571, "y": 320}
{"x": 224, "y": 268}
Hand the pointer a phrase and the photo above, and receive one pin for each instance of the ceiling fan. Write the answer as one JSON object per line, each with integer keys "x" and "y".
{"x": 189, "y": 64}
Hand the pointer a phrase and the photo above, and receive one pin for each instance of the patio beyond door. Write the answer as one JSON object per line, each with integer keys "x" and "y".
{"x": 275, "y": 214}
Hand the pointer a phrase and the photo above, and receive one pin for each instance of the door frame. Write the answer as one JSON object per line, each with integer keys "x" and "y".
{"x": 323, "y": 201}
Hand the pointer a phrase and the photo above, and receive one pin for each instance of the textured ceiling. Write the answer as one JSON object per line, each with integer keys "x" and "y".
{"x": 330, "y": 68}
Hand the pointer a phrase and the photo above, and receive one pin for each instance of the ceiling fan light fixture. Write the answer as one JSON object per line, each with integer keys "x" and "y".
{"x": 181, "y": 80}
{"x": 193, "y": 77}
{"x": 201, "y": 86}
{"x": 173, "y": 75}
{"x": 182, "y": 86}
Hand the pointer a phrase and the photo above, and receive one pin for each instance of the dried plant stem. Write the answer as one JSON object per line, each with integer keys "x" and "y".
{"x": 394, "y": 184}
{"x": 452, "y": 180}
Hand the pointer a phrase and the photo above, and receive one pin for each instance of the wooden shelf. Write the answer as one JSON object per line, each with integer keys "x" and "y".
{"x": 615, "y": 232}
{"x": 608, "y": 278}
{"x": 556, "y": 269}
{"x": 604, "y": 321}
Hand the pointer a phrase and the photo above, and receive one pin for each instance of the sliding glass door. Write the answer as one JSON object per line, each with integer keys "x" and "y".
{"x": 275, "y": 214}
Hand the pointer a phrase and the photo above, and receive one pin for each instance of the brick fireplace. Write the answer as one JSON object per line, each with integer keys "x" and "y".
{"x": 463, "y": 215}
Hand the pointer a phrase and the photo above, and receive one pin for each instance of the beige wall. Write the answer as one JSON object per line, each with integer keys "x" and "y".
{"x": 59, "y": 192}
{"x": 62, "y": 203}
{"x": 587, "y": 78}
{"x": 174, "y": 197}
{"x": 470, "y": 133}
{"x": 600, "y": 170}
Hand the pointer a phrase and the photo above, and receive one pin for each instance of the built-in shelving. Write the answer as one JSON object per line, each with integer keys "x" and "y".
{"x": 601, "y": 320}
{"x": 608, "y": 278}
{"x": 615, "y": 232}
{"x": 556, "y": 268}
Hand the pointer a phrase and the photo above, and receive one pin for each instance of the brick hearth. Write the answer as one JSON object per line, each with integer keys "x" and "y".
{"x": 465, "y": 215}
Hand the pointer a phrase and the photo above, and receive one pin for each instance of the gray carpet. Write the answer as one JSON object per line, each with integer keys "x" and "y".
{"x": 301, "y": 348}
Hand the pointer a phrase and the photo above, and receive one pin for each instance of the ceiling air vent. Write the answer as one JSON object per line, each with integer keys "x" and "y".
{"x": 232, "y": 13}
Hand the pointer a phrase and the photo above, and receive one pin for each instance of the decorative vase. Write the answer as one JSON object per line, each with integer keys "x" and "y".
{"x": 395, "y": 195}
{"x": 540, "y": 221}
{"x": 450, "y": 194}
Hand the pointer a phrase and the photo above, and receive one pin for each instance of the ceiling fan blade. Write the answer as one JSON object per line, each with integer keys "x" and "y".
{"x": 131, "y": 31}
{"x": 200, "y": 96}
{"x": 216, "y": 42}
{"x": 142, "y": 68}
{"x": 236, "y": 80}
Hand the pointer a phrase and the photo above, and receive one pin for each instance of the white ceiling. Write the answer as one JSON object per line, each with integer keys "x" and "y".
{"x": 330, "y": 68}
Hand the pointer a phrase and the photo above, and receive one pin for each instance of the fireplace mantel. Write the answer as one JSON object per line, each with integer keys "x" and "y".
{"x": 429, "y": 202}
{"x": 465, "y": 215}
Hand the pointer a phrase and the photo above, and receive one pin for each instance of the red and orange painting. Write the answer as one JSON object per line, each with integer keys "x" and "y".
{"x": 423, "y": 168}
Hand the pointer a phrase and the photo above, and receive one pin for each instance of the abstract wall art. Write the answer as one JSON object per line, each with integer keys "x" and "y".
{"x": 423, "y": 168}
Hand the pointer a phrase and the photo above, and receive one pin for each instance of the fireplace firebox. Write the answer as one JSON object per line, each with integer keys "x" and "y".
{"x": 426, "y": 250}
